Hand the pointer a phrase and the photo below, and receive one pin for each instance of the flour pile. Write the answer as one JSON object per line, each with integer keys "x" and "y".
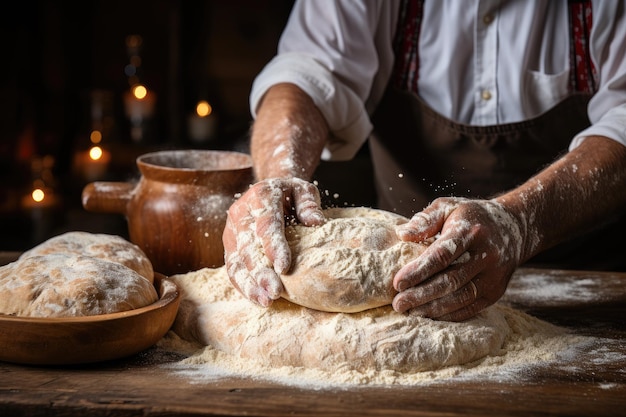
{"x": 224, "y": 334}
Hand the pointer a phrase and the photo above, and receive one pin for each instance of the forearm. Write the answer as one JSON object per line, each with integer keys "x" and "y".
{"x": 288, "y": 135}
{"x": 584, "y": 188}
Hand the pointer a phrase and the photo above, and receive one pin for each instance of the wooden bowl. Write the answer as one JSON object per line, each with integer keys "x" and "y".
{"x": 88, "y": 339}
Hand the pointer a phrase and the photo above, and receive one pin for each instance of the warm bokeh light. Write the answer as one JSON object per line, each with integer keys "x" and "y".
{"x": 95, "y": 136}
{"x": 38, "y": 195}
{"x": 203, "y": 108}
{"x": 135, "y": 61}
{"x": 95, "y": 153}
{"x": 134, "y": 41}
{"x": 140, "y": 91}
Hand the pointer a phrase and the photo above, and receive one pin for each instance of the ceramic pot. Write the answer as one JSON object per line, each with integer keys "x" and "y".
{"x": 176, "y": 212}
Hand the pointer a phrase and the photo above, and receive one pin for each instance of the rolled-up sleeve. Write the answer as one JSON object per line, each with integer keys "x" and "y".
{"x": 343, "y": 110}
{"x": 330, "y": 50}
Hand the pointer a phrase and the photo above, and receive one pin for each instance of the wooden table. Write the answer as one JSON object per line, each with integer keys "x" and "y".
{"x": 142, "y": 386}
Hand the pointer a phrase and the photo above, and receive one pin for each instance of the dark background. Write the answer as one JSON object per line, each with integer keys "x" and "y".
{"x": 61, "y": 58}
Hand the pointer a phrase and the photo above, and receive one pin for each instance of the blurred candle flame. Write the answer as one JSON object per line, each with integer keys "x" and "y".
{"x": 95, "y": 136}
{"x": 38, "y": 195}
{"x": 140, "y": 92}
{"x": 203, "y": 108}
{"x": 95, "y": 153}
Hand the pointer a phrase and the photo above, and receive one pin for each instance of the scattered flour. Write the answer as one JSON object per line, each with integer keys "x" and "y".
{"x": 543, "y": 287}
{"x": 522, "y": 343}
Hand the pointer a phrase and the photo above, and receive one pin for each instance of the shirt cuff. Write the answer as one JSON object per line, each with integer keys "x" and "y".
{"x": 343, "y": 110}
{"x": 612, "y": 125}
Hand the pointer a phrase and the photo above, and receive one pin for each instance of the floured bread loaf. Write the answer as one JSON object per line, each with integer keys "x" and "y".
{"x": 108, "y": 247}
{"x": 348, "y": 264}
{"x": 69, "y": 285}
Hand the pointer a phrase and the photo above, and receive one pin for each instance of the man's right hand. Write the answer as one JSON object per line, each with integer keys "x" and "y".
{"x": 256, "y": 250}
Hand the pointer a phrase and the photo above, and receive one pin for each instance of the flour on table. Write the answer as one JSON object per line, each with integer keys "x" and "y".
{"x": 289, "y": 343}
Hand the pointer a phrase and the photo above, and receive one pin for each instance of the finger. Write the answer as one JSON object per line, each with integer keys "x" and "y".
{"x": 268, "y": 221}
{"x": 251, "y": 270}
{"x": 244, "y": 281}
{"x": 435, "y": 258}
{"x": 238, "y": 274}
{"x": 461, "y": 272}
{"x": 269, "y": 286}
{"x": 438, "y": 286}
{"x": 229, "y": 236}
{"x": 247, "y": 264}
{"x": 429, "y": 221}
{"x": 456, "y": 306}
{"x": 466, "y": 312}
{"x": 271, "y": 232}
{"x": 307, "y": 203}
{"x": 454, "y": 241}
{"x": 421, "y": 227}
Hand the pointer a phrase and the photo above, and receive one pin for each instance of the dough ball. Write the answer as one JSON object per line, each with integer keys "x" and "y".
{"x": 348, "y": 264}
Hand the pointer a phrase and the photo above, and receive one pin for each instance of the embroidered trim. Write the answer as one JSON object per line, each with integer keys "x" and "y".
{"x": 583, "y": 76}
{"x": 406, "y": 44}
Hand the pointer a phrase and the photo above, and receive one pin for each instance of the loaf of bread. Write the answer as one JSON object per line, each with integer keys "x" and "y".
{"x": 70, "y": 285}
{"x": 98, "y": 245}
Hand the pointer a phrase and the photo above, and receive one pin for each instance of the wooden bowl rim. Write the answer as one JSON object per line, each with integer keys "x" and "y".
{"x": 96, "y": 338}
{"x": 241, "y": 161}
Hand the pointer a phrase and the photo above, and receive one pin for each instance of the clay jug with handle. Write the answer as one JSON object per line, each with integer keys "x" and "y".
{"x": 176, "y": 212}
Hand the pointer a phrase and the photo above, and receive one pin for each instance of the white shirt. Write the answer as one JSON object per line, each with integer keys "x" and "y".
{"x": 512, "y": 66}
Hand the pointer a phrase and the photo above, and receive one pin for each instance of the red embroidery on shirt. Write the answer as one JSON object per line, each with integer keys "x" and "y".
{"x": 582, "y": 71}
{"x": 406, "y": 45}
{"x": 583, "y": 77}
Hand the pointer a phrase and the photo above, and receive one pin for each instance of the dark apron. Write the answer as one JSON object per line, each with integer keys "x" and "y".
{"x": 419, "y": 155}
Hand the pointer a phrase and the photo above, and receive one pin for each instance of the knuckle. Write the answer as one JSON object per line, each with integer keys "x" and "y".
{"x": 406, "y": 300}
{"x": 452, "y": 281}
{"x": 436, "y": 308}
{"x": 441, "y": 254}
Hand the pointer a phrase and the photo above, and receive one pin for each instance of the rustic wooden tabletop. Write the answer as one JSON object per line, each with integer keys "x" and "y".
{"x": 143, "y": 385}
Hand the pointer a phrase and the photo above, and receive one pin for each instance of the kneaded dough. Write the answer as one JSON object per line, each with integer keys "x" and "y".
{"x": 98, "y": 245}
{"x": 348, "y": 264}
{"x": 67, "y": 285}
{"x": 212, "y": 312}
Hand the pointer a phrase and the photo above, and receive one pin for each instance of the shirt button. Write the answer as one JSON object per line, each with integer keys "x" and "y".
{"x": 486, "y": 95}
{"x": 487, "y": 19}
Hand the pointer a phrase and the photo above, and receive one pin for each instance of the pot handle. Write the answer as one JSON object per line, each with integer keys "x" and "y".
{"x": 107, "y": 196}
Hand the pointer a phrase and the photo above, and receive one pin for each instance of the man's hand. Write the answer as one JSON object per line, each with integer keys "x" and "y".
{"x": 256, "y": 250}
{"x": 467, "y": 267}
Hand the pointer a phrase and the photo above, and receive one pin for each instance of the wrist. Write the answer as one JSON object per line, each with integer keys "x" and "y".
{"x": 288, "y": 135}
{"x": 521, "y": 223}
